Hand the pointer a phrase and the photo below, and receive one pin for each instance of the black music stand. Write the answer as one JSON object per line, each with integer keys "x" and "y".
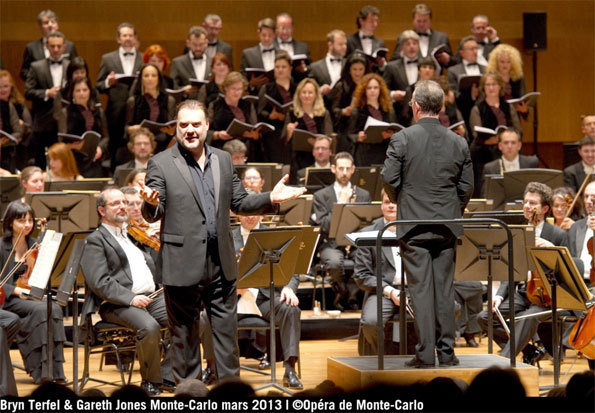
{"x": 65, "y": 212}
{"x": 483, "y": 251}
{"x": 120, "y": 176}
{"x": 346, "y": 218}
{"x": 10, "y": 189}
{"x": 296, "y": 211}
{"x": 279, "y": 248}
{"x": 368, "y": 178}
{"x": 515, "y": 182}
{"x": 494, "y": 190}
{"x": 318, "y": 178}
{"x": 509, "y": 217}
{"x": 271, "y": 172}
{"x": 480, "y": 204}
{"x": 564, "y": 284}
{"x": 87, "y": 184}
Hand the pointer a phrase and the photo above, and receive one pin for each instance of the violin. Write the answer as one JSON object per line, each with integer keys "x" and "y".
{"x": 582, "y": 335}
{"x": 536, "y": 292}
{"x": 139, "y": 231}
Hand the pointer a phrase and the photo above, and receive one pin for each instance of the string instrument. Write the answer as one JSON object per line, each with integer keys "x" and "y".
{"x": 26, "y": 259}
{"x": 139, "y": 231}
{"x": 582, "y": 335}
{"x": 536, "y": 292}
{"x": 5, "y": 279}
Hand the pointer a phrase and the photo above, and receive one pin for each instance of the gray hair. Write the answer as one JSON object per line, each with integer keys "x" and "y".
{"x": 197, "y": 31}
{"x": 46, "y": 13}
{"x": 429, "y": 96}
{"x": 125, "y": 25}
{"x": 212, "y": 17}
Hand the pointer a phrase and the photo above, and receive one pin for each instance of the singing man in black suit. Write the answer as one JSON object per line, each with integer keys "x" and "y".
{"x": 37, "y": 50}
{"x": 44, "y": 79}
{"x": 121, "y": 275}
{"x": 575, "y": 174}
{"x": 213, "y": 25}
{"x": 261, "y": 56}
{"x": 537, "y": 201}
{"x": 327, "y": 71}
{"x": 429, "y": 175}
{"x": 191, "y": 187}
{"x": 195, "y": 64}
{"x": 126, "y": 60}
{"x": 367, "y": 21}
{"x": 331, "y": 255}
{"x": 486, "y": 37}
{"x": 285, "y": 41}
{"x": 428, "y": 38}
{"x": 401, "y": 73}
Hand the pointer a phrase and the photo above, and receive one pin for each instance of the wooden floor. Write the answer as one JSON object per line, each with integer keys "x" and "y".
{"x": 314, "y": 354}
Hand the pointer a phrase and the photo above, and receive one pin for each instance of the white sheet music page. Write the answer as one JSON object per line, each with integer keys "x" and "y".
{"x": 45, "y": 259}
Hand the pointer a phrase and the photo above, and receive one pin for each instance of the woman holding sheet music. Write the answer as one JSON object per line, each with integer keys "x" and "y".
{"x": 157, "y": 55}
{"x": 149, "y": 101}
{"x": 16, "y": 121}
{"x": 308, "y": 114}
{"x": 281, "y": 91}
{"x": 490, "y": 111}
{"x": 17, "y": 225}
{"x": 220, "y": 67}
{"x": 223, "y": 110}
{"x": 370, "y": 99}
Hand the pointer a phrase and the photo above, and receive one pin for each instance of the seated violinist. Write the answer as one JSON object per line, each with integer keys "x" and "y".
{"x": 121, "y": 276}
{"x": 581, "y": 232}
{"x": 537, "y": 201}
{"x": 135, "y": 215}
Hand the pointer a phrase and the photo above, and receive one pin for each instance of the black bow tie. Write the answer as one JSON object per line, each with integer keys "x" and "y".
{"x": 268, "y": 50}
{"x": 213, "y": 44}
{"x": 482, "y": 43}
{"x": 55, "y": 62}
{"x": 335, "y": 59}
{"x": 197, "y": 58}
{"x": 471, "y": 64}
{"x": 367, "y": 36}
{"x": 423, "y": 34}
{"x": 128, "y": 54}
{"x": 411, "y": 61}
{"x": 286, "y": 42}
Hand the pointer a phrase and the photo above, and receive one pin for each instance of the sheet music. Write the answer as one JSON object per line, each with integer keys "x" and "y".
{"x": 45, "y": 259}
{"x": 247, "y": 302}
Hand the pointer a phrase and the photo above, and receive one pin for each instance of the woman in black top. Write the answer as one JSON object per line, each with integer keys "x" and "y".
{"x": 282, "y": 90}
{"x": 148, "y": 100}
{"x": 18, "y": 157}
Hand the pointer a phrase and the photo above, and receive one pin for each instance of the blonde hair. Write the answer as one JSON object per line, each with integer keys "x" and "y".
{"x": 63, "y": 153}
{"x": 359, "y": 95}
{"x": 318, "y": 108}
{"x": 15, "y": 96}
{"x": 516, "y": 67}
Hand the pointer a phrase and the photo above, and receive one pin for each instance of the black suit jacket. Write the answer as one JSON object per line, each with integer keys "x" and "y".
{"x": 35, "y": 51}
{"x": 493, "y": 168}
{"x": 319, "y": 71}
{"x": 364, "y": 272}
{"x": 183, "y": 234}
{"x": 574, "y": 175}
{"x": 428, "y": 173}
{"x": 354, "y": 43}
{"x": 226, "y": 49}
{"x": 39, "y": 79}
{"x": 107, "y": 271}
{"x": 182, "y": 70}
{"x": 298, "y": 47}
{"x": 395, "y": 75}
{"x": 576, "y": 237}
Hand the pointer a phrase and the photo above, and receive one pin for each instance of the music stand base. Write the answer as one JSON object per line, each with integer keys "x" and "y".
{"x": 276, "y": 386}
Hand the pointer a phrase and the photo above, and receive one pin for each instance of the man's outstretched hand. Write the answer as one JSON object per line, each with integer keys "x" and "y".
{"x": 282, "y": 193}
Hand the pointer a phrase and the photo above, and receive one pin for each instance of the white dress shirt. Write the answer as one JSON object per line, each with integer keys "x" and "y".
{"x": 366, "y": 43}
{"x": 199, "y": 65}
{"x": 337, "y": 187}
{"x": 334, "y": 69}
{"x": 268, "y": 58}
{"x": 513, "y": 165}
{"x": 46, "y": 52}
{"x": 588, "y": 169}
{"x": 585, "y": 256}
{"x": 317, "y": 165}
{"x": 142, "y": 278}
{"x": 56, "y": 71}
{"x": 424, "y": 43}
{"x": 471, "y": 70}
{"x": 288, "y": 47}
{"x": 127, "y": 61}
{"x": 140, "y": 165}
{"x": 411, "y": 70}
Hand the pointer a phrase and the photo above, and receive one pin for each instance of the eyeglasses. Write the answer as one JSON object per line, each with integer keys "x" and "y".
{"x": 117, "y": 204}
{"x": 252, "y": 178}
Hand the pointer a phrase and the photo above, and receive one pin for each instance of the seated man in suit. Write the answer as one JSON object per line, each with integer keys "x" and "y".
{"x": 121, "y": 275}
{"x": 322, "y": 155}
{"x": 582, "y": 230}
{"x": 195, "y": 64}
{"x": 10, "y": 324}
{"x": 141, "y": 144}
{"x": 365, "y": 276}
{"x": 575, "y": 174}
{"x": 465, "y": 98}
{"x": 285, "y": 41}
{"x": 428, "y": 38}
{"x": 45, "y": 78}
{"x": 537, "y": 203}
{"x": 327, "y": 71}
{"x": 47, "y": 22}
{"x": 213, "y": 25}
{"x": 261, "y": 56}
{"x": 401, "y": 73}
{"x": 331, "y": 255}
{"x": 509, "y": 144}
{"x": 367, "y": 22}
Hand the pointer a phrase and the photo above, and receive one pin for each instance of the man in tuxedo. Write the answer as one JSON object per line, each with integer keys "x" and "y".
{"x": 191, "y": 187}
{"x": 141, "y": 144}
{"x": 575, "y": 174}
{"x": 44, "y": 80}
{"x": 367, "y": 21}
{"x": 428, "y": 38}
{"x": 365, "y": 277}
{"x": 213, "y": 25}
{"x": 332, "y": 256}
{"x": 401, "y": 73}
{"x": 121, "y": 275}
{"x": 127, "y": 61}
{"x": 537, "y": 201}
{"x": 486, "y": 37}
{"x": 327, "y": 71}
{"x": 261, "y": 56}
{"x": 47, "y": 22}
{"x": 321, "y": 151}
{"x": 429, "y": 175}
{"x": 285, "y": 41}
{"x": 195, "y": 64}
{"x": 582, "y": 230}
{"x": 465, "y": 98}
{"x": 10, "y": 325}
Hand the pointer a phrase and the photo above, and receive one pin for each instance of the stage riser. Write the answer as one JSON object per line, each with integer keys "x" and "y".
{"x": 354, "y": 373}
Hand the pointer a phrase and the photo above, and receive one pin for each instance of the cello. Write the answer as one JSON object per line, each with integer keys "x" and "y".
{"x": 582, "y": 335}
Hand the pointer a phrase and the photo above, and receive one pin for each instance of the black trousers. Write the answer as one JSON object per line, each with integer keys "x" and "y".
{"x": 10, "y": 325}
